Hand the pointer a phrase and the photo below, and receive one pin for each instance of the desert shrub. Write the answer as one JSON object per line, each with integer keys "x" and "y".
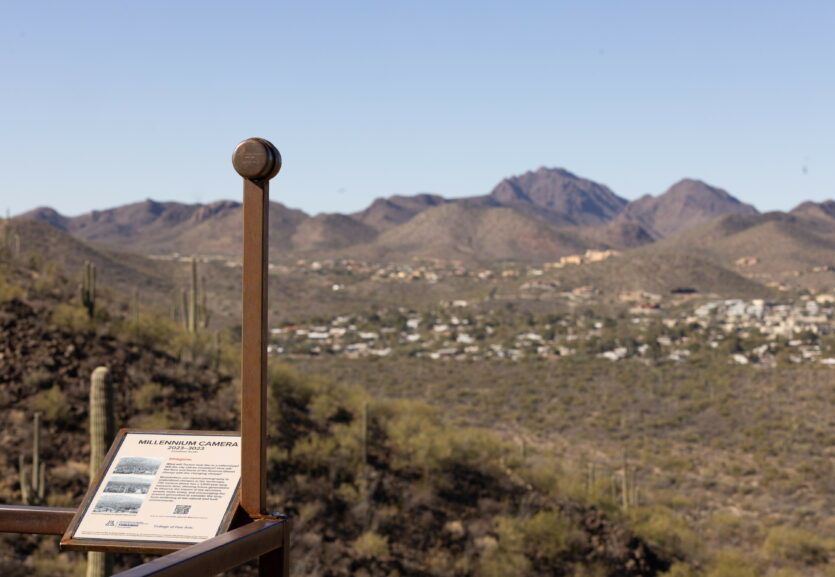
{"x": 505, "y": 555}
{"x": 798, "y": 545}
{"x": 372, "y": 545}
{"x": 65, "y": 499}
{"x": 726, "y": 525}
{"x": 49, "y": 278}
{"x": 416, "y": 438}
{"x": 323, "y": 408}
{"x": 150, "y": 330}
{"x": 47, "y": 561}
{"x": 548, "y": 535}
{"x": 479, "y": 449}
{"x": 681, "y": 570}
{"x": 336, "y": 454}
{"x": 660, "y": 527}
{"x": 308, "y": 511}
{"x": 787, "y": 572}
{"x": 51, "y": 403}
{"x": 286, "y": 384}
{"x": 147, "y": 396}
{"x": 348, "y": 494}
{"x": 545, "y": 476}
{"x": 71, "y": 318}
{"x": 9, "y": 291}
{"x": 730, "y": 564}
{"x": 36, "y": 379}
{"x": 160, "y": 420}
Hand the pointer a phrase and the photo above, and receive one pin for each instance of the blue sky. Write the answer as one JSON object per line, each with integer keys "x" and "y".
{"x": 105, "y": 103}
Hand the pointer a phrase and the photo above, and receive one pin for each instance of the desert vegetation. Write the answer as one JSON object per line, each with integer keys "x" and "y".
{"x": 558, "y": 461}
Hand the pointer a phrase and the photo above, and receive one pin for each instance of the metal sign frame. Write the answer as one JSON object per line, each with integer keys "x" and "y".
{"x": 71, "y": 543}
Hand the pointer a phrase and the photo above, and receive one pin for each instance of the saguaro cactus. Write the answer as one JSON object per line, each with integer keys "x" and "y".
{"x": 11, "y": 239}
{"x": 102, "y": 429}
{"x": 88, "y": 288}
{"x": 33, "y": 492}
{"x": 101, "y": 416}
{"x": 134, "y": 307}
{"x": 195, "y": 309}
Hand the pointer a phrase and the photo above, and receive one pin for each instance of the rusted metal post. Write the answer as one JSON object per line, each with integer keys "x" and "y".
{"x": 257, "y": 161}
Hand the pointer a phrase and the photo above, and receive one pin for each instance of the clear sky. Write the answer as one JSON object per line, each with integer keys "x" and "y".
{"x": 105, "y": 103}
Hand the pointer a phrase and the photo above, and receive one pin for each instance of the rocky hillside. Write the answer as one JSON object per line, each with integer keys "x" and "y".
{"x": 429, "y": 500}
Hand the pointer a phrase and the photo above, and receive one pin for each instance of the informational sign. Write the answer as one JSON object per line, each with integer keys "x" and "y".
{"x": 164, "y": 487}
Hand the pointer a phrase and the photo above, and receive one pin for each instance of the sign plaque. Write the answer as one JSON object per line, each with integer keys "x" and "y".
{"x": 159, "y": 491}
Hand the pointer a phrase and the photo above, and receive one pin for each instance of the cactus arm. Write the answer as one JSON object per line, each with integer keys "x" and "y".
{"x": 184, "y": 297}
{"x": 24, "y": 483}
{"x": 193, "y": 302}
{"x": 41, "y": 482}
{"x": 36, "y": 456}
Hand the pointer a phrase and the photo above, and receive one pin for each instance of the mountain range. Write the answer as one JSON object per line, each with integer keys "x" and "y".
{"x": 537, "y": 216}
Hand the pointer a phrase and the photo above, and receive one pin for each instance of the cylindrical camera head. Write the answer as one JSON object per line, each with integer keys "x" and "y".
{"x": 256, "y": 159}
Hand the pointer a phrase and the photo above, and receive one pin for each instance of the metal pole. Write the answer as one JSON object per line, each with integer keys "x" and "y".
{"x": 257, "y": 161}
{"x": 253, "y": 351}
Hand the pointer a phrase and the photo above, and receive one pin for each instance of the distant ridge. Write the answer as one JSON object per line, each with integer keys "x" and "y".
{"x": 538, "y": 215}
{"x": 385, "y": 213}
{"x": 824, "y": 209}
{"x": 455, "y": 231}
{"x": 685, "y": 204}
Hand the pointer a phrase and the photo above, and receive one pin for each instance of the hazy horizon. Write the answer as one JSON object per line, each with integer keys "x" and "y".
{"x": 276, "y": 198}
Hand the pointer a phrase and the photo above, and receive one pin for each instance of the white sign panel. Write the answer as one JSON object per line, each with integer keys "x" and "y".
{"x": 174, "y": 487}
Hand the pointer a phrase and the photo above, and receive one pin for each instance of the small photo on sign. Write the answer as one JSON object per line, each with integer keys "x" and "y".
{"x": 124, "y": 504}
{"x": 128, "y": 484}
{"x": 137, "y": 466}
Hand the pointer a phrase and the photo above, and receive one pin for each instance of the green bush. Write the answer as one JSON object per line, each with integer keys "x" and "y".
{"x": 9, "y": 291}
{"x": 416, "y": 438}
{"x": 504, "y": 556}
{"x": 372, "y": 545}
{"x": 730, "y": 564}
{"x": 681, "y": 570}
{"x": 51, "y": 403}
{"x": 147, "y": 396}
{"x": 660, "y": 527}
{"x": 548, "y": 535}
{"x": 336, "y": 454}
{"x": 71, "y": 318}
{"x": 797, "y": 545}
{"x": 151, "y": 330}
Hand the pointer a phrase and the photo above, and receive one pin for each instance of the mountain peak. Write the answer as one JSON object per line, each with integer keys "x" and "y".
{"x": 559, "y": 196}
{"x": 48, "y": 215}
{"x": 825, "y": 208}
{"x": 686, "y": 203}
